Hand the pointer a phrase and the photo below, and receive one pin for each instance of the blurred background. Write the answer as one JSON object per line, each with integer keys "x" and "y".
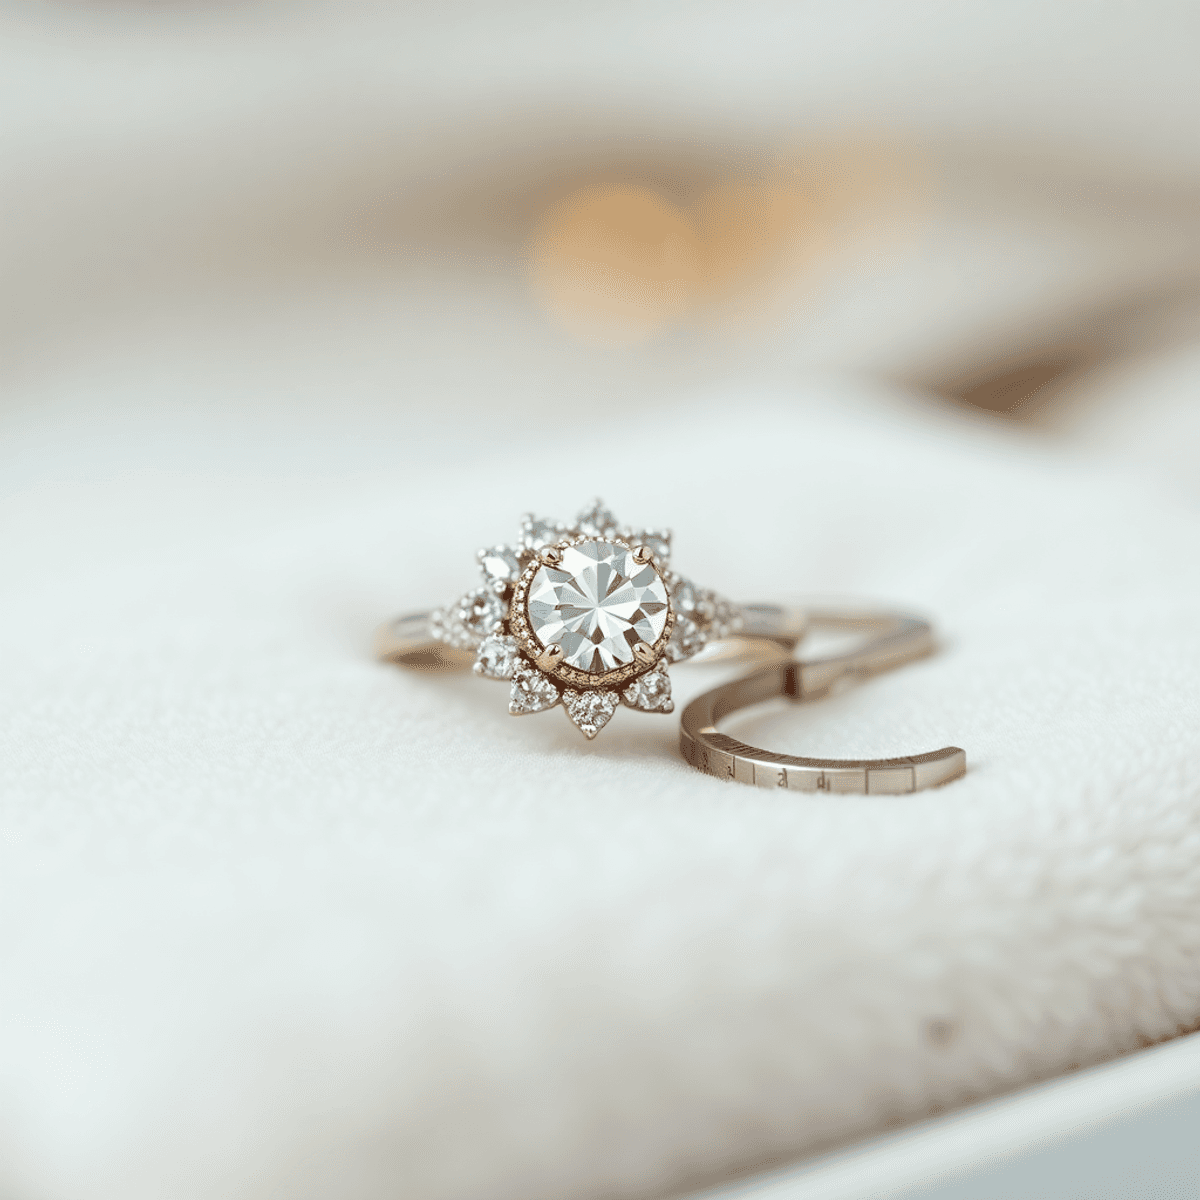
{"x": 273, "y": 274}
{"x": 984, "y": 202}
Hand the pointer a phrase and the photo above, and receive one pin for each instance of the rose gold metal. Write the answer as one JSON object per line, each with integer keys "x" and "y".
{"x": 644, "y": 654}
{"x": 550, "y": 658}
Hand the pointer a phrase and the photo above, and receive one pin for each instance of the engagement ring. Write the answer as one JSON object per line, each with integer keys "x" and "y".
{"x": 588, "y": 615}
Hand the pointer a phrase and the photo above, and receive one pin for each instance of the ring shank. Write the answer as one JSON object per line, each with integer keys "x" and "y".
{"x": 409, "y": 641}
{"x": 897, "y": 639}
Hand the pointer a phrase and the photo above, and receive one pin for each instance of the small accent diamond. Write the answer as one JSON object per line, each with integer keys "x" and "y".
{"x": 687, "y": 638}
{"x": 497, "y": 657}
{"x": 703, "y": 617}
{"x": 480, "y": 611}
{"x": 596, "y": 520}
{"x": 650, "y": 692}
{"x": 685, "y": 597}
{"x": 727, "y": 619}
{"x": 501, "y": 565}
{"x": 531, "y": 692}
{"x": 537, "y": 532}
{"x": 590, "y": 710}
{"x": 658, "y": 541}
{"x": 446, "y": 625}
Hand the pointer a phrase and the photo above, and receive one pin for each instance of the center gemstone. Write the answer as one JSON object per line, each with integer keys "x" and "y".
{"x": 597, "y": 604}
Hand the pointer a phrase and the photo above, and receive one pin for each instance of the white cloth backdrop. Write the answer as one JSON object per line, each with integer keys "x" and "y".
{"x": 280, "y": 921}
{"x": 277, "y": 921}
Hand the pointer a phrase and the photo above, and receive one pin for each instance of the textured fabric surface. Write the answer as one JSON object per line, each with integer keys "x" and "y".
{"x": 278, "y": 921}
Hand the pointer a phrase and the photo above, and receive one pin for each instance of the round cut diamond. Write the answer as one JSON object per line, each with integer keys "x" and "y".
{"x": 480, "y": 611}
{"x": 651, "y": 692}
{"x": 597, "y": 604}
{"x": 497, "y": 657}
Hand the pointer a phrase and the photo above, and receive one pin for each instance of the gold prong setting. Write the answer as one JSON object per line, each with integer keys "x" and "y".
{"x": 645, "y": 654}
{"x": 549, "y": 658}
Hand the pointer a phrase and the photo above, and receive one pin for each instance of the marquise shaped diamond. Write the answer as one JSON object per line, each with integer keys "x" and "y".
{"x": 501, "y": 565}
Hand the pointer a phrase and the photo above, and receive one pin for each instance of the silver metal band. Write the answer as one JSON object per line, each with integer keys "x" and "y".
{"x": 896, "y": 640}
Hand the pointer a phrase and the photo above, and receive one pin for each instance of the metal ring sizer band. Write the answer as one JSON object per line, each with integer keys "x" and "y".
{"x": 897, "y": 640}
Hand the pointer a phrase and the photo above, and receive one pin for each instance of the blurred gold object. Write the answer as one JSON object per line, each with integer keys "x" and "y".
{"x": 755, "y": 234}
{"x": 616, "y": 264}
{"x": 620, "y": 264}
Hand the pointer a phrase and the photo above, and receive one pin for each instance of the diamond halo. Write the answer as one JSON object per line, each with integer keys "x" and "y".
{"x": 587, "y": 616}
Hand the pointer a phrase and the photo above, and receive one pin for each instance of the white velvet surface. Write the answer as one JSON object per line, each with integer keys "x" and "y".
{"x": 279, "y": 921}
{"x": 276, "y": 921}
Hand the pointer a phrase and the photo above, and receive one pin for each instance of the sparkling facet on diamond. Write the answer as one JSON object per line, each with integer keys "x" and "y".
{"x": 590, "y": 710}
{"x": 479, "y": 612}
{"x": 501, "y": 565}
{"x": 597, "y": 604}
{"x": 537, "y": 532}
{"x": 687, "y": 638}
{"x": 596, "y": 520}
{"x": 497, "y": 657}
{"x": 531, "y": 692}
{"x": 684, "y": 595}
{"x": 650, "y": 692}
